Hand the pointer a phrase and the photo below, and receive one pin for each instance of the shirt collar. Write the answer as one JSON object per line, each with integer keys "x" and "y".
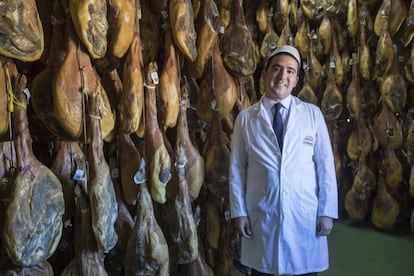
{"x": 269, "y": 103}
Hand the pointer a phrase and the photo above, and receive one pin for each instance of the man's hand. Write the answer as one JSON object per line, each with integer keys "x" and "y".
{"x": 243, "y": 224}
{"x": 324, "y": 226}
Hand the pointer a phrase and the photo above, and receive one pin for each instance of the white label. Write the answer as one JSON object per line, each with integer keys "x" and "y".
{"x": 79, "y": 175}
{"x": 154, "y": 77}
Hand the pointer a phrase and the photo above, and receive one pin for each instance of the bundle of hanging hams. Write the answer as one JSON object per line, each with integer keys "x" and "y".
{"x": 358, "y": 64}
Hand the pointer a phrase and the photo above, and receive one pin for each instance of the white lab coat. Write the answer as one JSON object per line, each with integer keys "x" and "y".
{"x": 283, "y": 194}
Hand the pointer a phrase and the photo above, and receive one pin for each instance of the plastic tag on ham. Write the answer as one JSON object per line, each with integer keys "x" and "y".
{"x": 155, "y": 78}
{"x": 140, "y": 176}
{"x": 26, "y": 91}
{"x": 79, "y": 175}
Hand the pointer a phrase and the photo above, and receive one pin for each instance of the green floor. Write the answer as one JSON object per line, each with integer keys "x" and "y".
{"x": 357, "y": 249}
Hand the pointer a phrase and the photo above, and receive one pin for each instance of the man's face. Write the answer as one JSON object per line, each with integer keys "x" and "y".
{"x": 281, "y": 76}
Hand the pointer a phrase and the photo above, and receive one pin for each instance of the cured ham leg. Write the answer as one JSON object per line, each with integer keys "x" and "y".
{"x": 182, "y": 26}
{"x": 217, "y": 158}
{"x": 147, "y": 250}
{"x": 131, "y": 101}
{"x": 88, "y": 258}
{"x": 41, "y": 86}
{"x": 121, "y": 20}
{"x": 91, "y": 24}
{"x": 101, "y": 191}
{"x": 129, "y": 163}
{"x": 169, "y": 89}
{"x": 33, "y": 222}
{"x": 206, "y": 27}
{"x": 74, "y": 78}
{"x": 181, "y": 225}
{"x": 21, "y": 30}
{"x": 218, "y": 86}
{"x": 195, "y": 171}
{"x": 69, "y": 160}
{"x": 385, "y": 208}
{"x": 156, "y": 150}
{"x": 237, "y": 43}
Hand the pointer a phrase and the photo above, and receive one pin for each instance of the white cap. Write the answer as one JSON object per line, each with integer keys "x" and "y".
{"x": 285, "y": 49}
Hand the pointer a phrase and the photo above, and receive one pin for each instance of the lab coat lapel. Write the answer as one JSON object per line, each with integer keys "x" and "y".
{"x": 293, "y": 117}
{"x": 265, "y": 122}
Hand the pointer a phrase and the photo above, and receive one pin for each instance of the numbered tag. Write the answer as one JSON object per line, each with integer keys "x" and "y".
{"x": 139, "y": 178}
{"x": 79, "y": 175}
{"x": 26, "y": 91}
{"x": 154, "y": 77}
{"x": 221, "y": 29}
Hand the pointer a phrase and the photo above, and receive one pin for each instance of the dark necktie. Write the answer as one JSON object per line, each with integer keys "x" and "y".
{"x": 278, "y": 124}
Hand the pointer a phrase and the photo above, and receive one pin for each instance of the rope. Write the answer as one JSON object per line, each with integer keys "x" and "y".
{"x": 12, "y": 100}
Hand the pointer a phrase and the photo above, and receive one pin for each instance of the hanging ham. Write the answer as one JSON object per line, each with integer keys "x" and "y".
{"x": 181, "y": 225}
{"x": 68, "y": 161}
{"x": 89, "y": 259}
{"x": 365, "y": 59}
{"x": 238, "y": 47}
{"x": 217, "y": 159}
{"x": 169, "y": 88}
{"x": 218, "y": 89}
{"x": 358, "y": 197}
{"x": 314, "y": 66}
{"x": 332, "y": 99}
{"x": 393, "y": 89}
{"x": 150, "y": 33}
{"x": 41, "y": 87}
{"x": 393, "y": 168}
{"x": 384, "y": 54}
{"x": 21, "y": 30}
{"x": 195, "y": 170}
{"x": 270, "y": 39}
{"x": 156, "y": 151}
{"x": 129, "y": 160}
{"x": 182, "y": 26}
{"x": 302, "y": 39}
{"x": 104, "y": 207}
{"x": 33, "y": 222}
{"x": 131, "y": 100}
{"x": 353, "y": 95}
{"x": 385, "y": 208}
{"x": 75, "y": 78}
{"x": 90, "y": 20}
{"x": 121, "y": 22}
{"x": 359, "y": 143}
{"x": 386, "y": 127}
{"x": 206, "y": 27}
{"x": 307, "y": 93}
{"x": 147, "y": 250}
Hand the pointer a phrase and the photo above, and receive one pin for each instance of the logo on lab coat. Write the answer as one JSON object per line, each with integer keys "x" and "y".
{"x": 308, "y": 140}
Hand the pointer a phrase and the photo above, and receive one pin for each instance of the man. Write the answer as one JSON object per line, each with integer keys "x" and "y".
{"x": 283, "y": 194}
